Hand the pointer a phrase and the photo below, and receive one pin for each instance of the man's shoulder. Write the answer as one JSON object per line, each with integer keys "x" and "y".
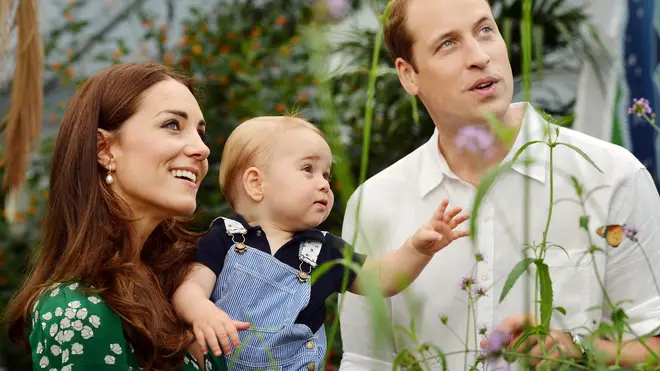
{"x": 603, "y": 153}
{"x": 395, "y": 178}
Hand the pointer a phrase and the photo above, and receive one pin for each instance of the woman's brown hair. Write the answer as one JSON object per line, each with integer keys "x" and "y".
{"x": 86, "y": 234}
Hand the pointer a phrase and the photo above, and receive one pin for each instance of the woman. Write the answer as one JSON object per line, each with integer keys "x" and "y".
{"x": 128, "y": 161}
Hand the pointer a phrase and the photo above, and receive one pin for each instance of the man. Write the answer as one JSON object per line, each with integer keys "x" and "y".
{"x": 452, "y": 56}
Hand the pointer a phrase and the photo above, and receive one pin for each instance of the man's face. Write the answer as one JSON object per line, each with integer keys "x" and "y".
{"x": 462, "y": 63}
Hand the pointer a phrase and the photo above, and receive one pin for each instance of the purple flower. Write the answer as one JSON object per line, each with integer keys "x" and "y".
{"x": 337, "y": 8}
{"x": 640, "y": 107}
{"x": 497, "y": 341}
{"x": 630, "y": 232}
{"x": 479, "y": 291}
{"x": 466, "y": 283}
{"x": 476, "y": 139}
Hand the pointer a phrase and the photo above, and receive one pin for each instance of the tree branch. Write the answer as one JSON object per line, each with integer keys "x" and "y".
{"x": 122, "y": 15}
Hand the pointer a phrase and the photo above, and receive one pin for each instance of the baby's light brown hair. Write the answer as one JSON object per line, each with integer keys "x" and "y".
{"x": 252, "y": 144}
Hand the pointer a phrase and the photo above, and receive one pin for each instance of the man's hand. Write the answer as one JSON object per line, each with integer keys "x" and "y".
{"x": 439, "y": 232}
{"x": 556, "y": 343}
{"x": 213, "y": 325}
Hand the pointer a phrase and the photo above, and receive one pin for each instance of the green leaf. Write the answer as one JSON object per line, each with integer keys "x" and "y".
{"x": 584, "y": 222}
{"x": 561, "y": 310}
{"x": 581, "y": 153}
{"x": 546, "y": 293}
{"x": 515, "y": 273}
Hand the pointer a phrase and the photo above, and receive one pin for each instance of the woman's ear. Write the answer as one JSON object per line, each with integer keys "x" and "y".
{"x": 253, "y": 184}
{"x": 103, "y": 143}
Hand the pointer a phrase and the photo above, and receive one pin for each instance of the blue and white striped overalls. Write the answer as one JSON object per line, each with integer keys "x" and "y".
{"x": 257, "y": 288}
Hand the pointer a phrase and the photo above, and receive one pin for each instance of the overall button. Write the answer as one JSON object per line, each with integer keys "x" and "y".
{"x": 311, "y": 367}
{"x": 259, "y": 233}
{"x": 309, "y": 344}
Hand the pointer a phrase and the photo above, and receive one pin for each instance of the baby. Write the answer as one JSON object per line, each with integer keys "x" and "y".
{"x": 256, "y": 267}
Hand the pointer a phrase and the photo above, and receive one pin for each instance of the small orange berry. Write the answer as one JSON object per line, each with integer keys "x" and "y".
{"x": 280, "y": 107}
{"x": 281, "y": 20}
{"x": 196, "y": 49}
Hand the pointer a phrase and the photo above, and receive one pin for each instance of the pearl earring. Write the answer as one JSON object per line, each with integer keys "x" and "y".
{"x": 109, "y": 179}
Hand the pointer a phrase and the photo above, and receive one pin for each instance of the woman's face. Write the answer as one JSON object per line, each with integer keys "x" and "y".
{"x": 159, "y": 155}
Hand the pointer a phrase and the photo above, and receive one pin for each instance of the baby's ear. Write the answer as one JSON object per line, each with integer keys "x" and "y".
{"x": 253, "y": 184}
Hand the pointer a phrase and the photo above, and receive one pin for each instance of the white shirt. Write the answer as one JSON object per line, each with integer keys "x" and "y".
{"x": 399, "y": 199}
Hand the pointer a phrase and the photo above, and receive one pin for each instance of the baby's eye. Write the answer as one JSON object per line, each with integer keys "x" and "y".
{"x": 307, "y": 168}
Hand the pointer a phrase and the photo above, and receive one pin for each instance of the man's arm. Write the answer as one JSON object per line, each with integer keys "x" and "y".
{"x": 633, "y": 268}
{"x": 362, "y": 350}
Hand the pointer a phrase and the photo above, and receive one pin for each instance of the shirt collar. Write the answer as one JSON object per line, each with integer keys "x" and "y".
{"x": 304, "y": 234}
{"x": 434, "y": 167}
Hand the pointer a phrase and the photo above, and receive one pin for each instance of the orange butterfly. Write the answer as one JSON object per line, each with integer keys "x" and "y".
{"x": 613, "y": 234}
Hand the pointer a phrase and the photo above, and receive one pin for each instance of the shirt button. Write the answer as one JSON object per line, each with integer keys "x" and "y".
{"x": 484, "y": 276}
{"x": 311, "y": 367}
{"x": 259, "y": 233}
{"x": 309, "y": 344}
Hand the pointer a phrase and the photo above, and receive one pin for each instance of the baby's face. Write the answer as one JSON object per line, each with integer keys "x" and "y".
{"x": 297, "y": 180}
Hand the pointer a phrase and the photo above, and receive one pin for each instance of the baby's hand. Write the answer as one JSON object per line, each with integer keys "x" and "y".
{"x": 439, "y": 232}
{"x": 214, "y": 325}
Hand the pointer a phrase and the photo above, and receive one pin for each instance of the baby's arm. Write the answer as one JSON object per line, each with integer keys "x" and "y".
{"x": 398, "y": 268}
{"x": 209, "y": 323}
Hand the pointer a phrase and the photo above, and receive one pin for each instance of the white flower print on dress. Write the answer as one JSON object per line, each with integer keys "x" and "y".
{"x": 65, "y": 356}
{"x": 82, "y": 313}
{"x": 208, "y": 365}
{"x": 59, "y": 337}
{"x": 74, "y": 304}
{"x": 73, "y": 286}
{"x": 55, "y": 292}
{"x": 67, "y": 368}
{"x": 95, "y": 320}
{"x": 77, "y": 325}
{"x": 67, "y": 336}
{"x": 58, "y": 312}
{"x": 53, "y": 329}
{"x": 47, "y": 316}
{"x": 110, "y": 360}
{"x": 56, "y": 350}
{"x": 115, "y": 348}
{"x": 94, "y": 299}
{"x": 70, "y": 313}
{"x": 65, "y": 323}
{"x": 87, "y": 332}
{"x": 77, "y": 348}
{"x": 40, "y": 348}
{"x": 43, "y": 362}
{"x": 43, "y": 325}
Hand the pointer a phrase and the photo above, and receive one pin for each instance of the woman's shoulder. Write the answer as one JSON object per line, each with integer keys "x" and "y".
{"x": 70, "y": 300}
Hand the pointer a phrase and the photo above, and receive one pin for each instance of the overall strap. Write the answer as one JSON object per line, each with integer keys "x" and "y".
{"x": 232, "y": 226}
{"x": 309, "y": 251}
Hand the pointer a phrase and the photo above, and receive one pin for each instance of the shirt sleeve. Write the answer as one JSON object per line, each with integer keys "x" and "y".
{"x": 74, "y": 330}
{"x": 212, "y": 248}
{"x": 362, "y": 350}
{"x": 340, "y": 250}
{"x": 633, "y": 268}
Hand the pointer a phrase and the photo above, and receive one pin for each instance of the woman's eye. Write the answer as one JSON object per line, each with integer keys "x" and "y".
{"x": 172, "y": 124}
{"x": 202, "y": 134}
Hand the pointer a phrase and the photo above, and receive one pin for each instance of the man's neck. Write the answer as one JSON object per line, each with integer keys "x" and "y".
{"x": 471, "y": 167}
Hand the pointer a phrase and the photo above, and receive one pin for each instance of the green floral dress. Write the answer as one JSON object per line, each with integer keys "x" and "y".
{"x": 72, "y": 330}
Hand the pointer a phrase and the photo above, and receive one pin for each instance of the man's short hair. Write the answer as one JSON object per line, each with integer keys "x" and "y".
{"x": 397, "y": 36}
